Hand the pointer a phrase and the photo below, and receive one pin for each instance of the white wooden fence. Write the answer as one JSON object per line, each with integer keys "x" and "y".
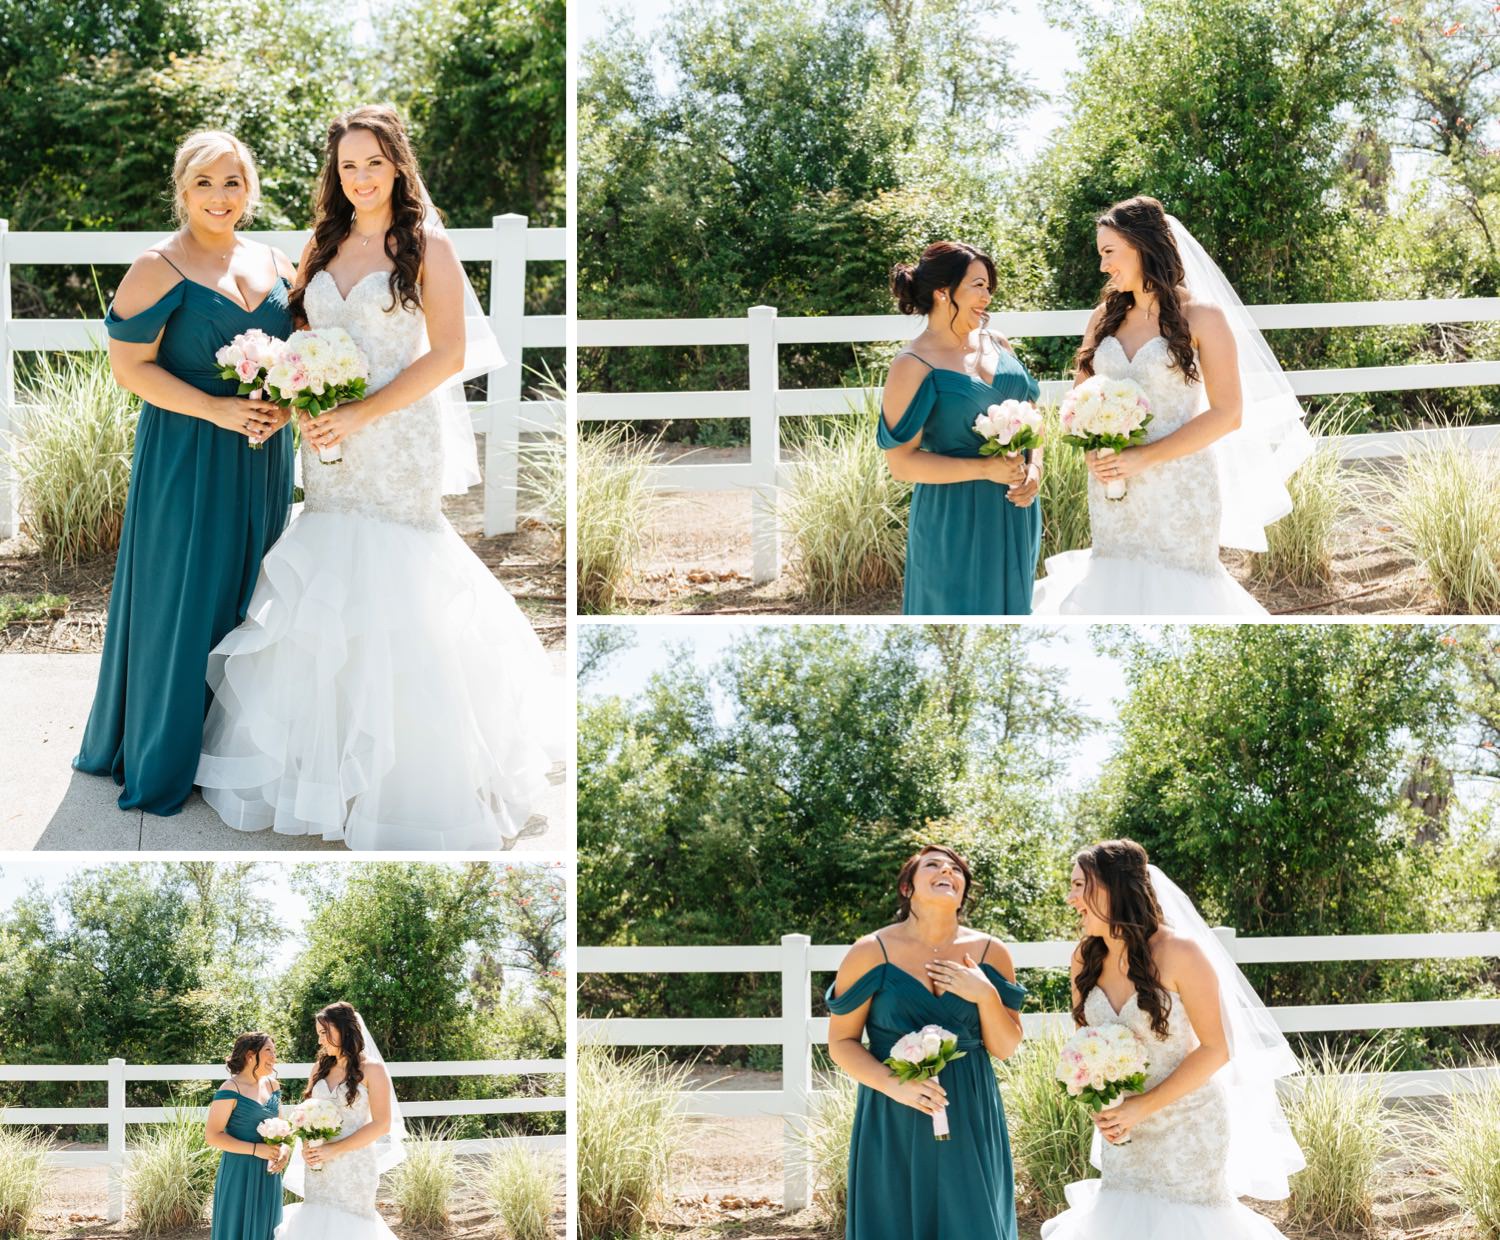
{"x": 115, "y": 1115}
{"x": 796, "y": 1030}
{"x": 763, "y": 333}
{"x": 507, "y": 246}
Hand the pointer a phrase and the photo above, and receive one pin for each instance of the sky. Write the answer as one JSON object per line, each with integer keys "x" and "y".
{"x": 1095, "y": 682}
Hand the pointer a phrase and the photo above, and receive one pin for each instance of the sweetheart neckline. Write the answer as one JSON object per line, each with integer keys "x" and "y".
{"x": 343, "y": 296}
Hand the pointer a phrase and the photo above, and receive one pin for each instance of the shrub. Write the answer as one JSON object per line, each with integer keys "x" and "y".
{"x": 520, "y": 1186}
{"x": 613, "y": 492}
{"x": 1299, "y": 547}
{"x": 170, "y": 1175}
{"x": 828, "y": 1135}
{"x": 843, "y": 511}
{"x": 423, "y": 1181}
{"x": 629, "y": 1131}
{"x": 1444, "y": 502}
{"x": 1464, "y": 1144}
{"x": 23, "y": 1179}
{"x": 1050, "y": 1132}
{"x": 1342, "y": 1128}
{"x": 74, "y": 452}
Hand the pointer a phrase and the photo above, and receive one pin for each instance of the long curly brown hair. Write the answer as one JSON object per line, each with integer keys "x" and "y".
{"x": 405, "y": 242}
{"x": 344, "y": 1020}
{"x": 1117, "y": 868}
{"x": 1142, "y": 222}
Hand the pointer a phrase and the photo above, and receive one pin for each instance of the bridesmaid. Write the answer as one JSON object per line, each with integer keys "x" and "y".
{"x": 975, "y": 529}
{"x": 202, "y": 507}
{"x": 247, "y": 1190}
{"x": 928, "y": 969}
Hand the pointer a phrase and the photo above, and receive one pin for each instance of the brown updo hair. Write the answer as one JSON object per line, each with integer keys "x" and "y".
{"x": 405, "y": 242}
{"x": 344, "y": 1019}
{"x": 1119, "y": 869}
{"x": 1142, "y": 222}
{"x": 246, "y": 1047}
{"x": 943, "y": 265}
{"x": 904, "y": 879}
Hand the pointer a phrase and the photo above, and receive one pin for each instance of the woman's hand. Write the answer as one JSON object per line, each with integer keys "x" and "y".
{"x": 1010, "y": 470}
{"x": 1118, "y": 465}
{"x": 927, "y": 1096}
{"x": 335, "y": 426}
{"x": 276, "y": 1165}
{"x": 1024, "y": 493}
{"x": 318, "y": 1155}
{"x": 1116, "y": 1122}
{"x": 966, "y": 980}
{"x": 254, "y": 419}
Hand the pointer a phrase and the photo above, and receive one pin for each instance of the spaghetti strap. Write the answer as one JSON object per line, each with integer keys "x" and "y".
{"x": 169, "y": 263}
{"x": 918, "y": 356}
{"x": 877, "y": 937}
{"x": 986, "y": 950}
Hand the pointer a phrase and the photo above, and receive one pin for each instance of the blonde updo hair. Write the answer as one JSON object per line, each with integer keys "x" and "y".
{"x": 200, "y": 149}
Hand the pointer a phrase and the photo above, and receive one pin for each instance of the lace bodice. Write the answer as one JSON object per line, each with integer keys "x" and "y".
{"x": 350, "y": 1181}
{"x": 1180, "y": 1152}
{"x": 1170, "y": 513}
{"x": 392, "y": 469}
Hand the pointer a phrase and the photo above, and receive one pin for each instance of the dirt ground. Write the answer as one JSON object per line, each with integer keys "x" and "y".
{"x": 76, "y": 1203}
{"x": 698, "y": 562}
{"x": 728, "y": 1185}
{"x": 528, "y": 563}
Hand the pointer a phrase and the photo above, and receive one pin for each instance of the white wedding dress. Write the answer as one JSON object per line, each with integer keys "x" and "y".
{"x": 385, "y": 690}
{"x": 339, "y": 1200}
{"x": 1170, "y": 1178}
{"x": 1155, "y": 552}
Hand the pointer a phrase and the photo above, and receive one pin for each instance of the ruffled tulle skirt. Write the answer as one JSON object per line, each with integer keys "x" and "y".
{"x": 1084, "y": 583}
{"x": 385, "y": 690}
{"x": 314, "y": 1221}
{"x": 1098, "y": 1213}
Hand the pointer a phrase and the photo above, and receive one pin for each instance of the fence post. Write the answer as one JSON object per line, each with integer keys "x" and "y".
{"x": 1227, "y": 935}
{"x": 765, "y": 445}
{"x": 796, "y": 1066}
{"x": 116, "y": 1140}
{"x": 9, "y": 482}
{"x": 502, "y": 436}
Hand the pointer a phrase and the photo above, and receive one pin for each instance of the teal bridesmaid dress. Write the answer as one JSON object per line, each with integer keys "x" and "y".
{"x": 969, "y": 550}
{"x": 247, "y": 1198}
{"x": 904, "y": 1184}
{"x": 202, "y": 510}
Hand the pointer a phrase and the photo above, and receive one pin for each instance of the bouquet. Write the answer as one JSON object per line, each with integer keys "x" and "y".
{"x": 246, "y": 359}
{"x": 1099, "y": 1065}
{"x": 1105, "y": 416}
{"x": 1011, "y": 427}
{"x": 276, "y": 1131}
{"x": 920, "y": 1056}
{"x": 313, "y": 371}
{"x": 315, "y": 1121}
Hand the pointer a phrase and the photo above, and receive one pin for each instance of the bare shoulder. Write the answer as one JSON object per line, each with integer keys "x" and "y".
{"x": 1206, "y": 319}
{"x": 375, "y": 1071}
{"x": 229, "y": 1086}
{"x": 1177, "y": 956}
{"x": 439, "y": 253}
{"x": 149, "y": 279}
{"x": 284, "y": 266}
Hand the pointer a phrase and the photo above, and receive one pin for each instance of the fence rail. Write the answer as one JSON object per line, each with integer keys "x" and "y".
{"x": 115, "y": 1115}
{"x": 508, "y": 245}
{"x": 762, "y": 332}
{"x": 796, "y": 1030}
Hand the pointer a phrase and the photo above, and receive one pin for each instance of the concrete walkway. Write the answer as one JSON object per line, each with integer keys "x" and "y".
{"x": 45, "y": 804}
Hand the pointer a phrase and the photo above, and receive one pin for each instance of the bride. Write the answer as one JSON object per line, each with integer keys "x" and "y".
{"x": 1225, "y": 435}
{"x": 384, "y": 690}
{"x": 338, "y": 1180}
{"x": 1208, "y": 1128}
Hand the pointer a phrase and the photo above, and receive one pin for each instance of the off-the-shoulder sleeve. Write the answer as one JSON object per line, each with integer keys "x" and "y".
{"x": 1012, "y": 994}
{"x": 141, "y": 328}
{"x": 862, "y": 990}
{"x": 913, "y": 420}
{"x": 226, "y": 1093}
{"x": 1033, "y": 388}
